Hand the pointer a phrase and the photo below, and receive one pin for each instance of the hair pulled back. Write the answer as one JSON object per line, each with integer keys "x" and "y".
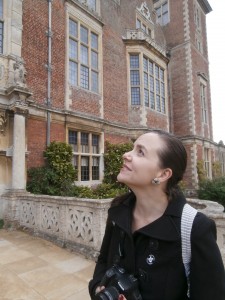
{"x": 174, "y": 156}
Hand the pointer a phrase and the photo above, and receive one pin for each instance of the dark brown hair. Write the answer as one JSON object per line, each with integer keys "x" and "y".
{"x": 173, "y": 156}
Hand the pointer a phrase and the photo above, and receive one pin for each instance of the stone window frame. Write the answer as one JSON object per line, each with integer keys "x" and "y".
{"x": 222, "y": 161}
{"x": 87, "y": 156}
{"x": 197, "y": 16}
{"x": 162, "y": 104}
{"x": 84, "y": 79}
{"x": 203, "y": 101}
{"x": 207, "y": 161}
{"x": 160, "y": 13}
{"x": 92, "y": 5}
{"x": 145, "y": 22}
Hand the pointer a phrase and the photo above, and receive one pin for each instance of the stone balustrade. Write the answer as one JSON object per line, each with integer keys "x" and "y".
{"x": 79, "y": 224}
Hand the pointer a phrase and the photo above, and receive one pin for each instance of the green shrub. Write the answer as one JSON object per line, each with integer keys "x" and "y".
{"x": 213, "y": 190}
{"x": 101, "y": 191}
{"x": 113, "y": 161}
{"x": 58, "y": 176}
{"x": 201, "y": 170}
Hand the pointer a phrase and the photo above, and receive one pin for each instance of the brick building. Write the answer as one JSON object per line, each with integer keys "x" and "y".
{"x": 87, "y": 71}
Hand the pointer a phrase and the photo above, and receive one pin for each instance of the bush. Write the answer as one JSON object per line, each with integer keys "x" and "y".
{"x": 101, "y": 191}
{"x": 58, "y": 176}
{"x": 212, "y": 190}
{"x": 113, "y": 161}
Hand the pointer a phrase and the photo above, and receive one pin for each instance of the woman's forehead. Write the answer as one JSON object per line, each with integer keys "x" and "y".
{"x": 148, "y": 138}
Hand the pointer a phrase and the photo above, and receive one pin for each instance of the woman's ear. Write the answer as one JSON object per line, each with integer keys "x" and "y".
{"x": 165, "y": 175}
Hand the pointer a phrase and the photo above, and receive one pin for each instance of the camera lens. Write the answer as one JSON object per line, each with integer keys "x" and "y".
{"x": 110, "y": 293}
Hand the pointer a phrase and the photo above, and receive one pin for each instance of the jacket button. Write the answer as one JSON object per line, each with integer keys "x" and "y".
{"x": 153, "y": 244}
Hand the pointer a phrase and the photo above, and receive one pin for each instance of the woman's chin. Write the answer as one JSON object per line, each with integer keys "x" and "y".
{"x": 120, "y": 178}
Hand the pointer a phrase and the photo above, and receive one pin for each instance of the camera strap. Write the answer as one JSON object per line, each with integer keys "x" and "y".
{"x": 187, "y": 220}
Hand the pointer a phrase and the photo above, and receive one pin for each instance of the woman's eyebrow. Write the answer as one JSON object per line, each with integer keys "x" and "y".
{"x": 140, "y": 146}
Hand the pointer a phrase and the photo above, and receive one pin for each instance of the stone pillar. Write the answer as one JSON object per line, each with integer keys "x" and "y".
{"x": 19, "y": 147}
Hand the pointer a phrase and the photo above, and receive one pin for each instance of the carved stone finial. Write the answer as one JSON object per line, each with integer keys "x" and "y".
{"x": 19, "y": 73}
{"x": 144, "y": 10}
{"x": 3, "y": 122}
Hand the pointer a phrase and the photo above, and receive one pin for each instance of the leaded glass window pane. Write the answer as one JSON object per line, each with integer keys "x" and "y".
{"x": 157, "y": 86}
{"x": 146, "y": 97}
{"x": 135, "y": 96}
{"x": 158, "y": 104}
{"x": 84, "y": 34}
{"x": 134, "y": 77}
{"x": 95, "y": 168}
{"x": 145, "y": 80}
{"x": 145, "y": 64}
{"x": 151, "y": 83}
{"x": 73, "y": 28}
{"x": 94, "y": 81}
{"x": 73, "y": 49}
{"x": 151, "y": 69}
{"x": 73, "y": 140}
{"x": 94, "y": 41}
{"x": 134, "y": 61}
{"x": 84, "y": 54}
{"x": 95, "y": 143}
{"x": 84, "y": 77}
{"x": 94, "y": 60}
{"x": 84, "y": 142}
{"x": 152, "y": 100}
{"x": 73, "y": 73}
{"x": 84, "y": 168}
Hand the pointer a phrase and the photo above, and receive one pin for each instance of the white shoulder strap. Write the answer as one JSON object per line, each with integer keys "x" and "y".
{"x": 187, "y": 219}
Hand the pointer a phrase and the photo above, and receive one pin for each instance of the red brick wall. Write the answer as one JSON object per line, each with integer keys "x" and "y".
{"x": 36, "y": 139}
{"x": 36, "y": 142}
{"x": 35, "y": 49}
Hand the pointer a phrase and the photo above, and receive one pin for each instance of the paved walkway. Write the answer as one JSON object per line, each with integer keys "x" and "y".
{"x": 35, "y": 269}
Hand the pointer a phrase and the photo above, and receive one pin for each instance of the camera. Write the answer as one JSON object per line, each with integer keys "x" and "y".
{"x": 117, "y": 281}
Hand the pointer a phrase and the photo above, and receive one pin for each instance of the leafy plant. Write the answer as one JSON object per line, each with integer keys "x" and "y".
{"x": 216, "y": 169}
{"x": 201, "y": 170}
{"x": 212, "y": 190}
{"x": 113, "y": 161}
{"x": 57, "y": 177}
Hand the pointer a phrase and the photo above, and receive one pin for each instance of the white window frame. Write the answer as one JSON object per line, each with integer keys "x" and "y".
{"x": 207, "y": 162}
{"x": 161, "y": 14}
{"x": 203, "y": 99}
{"x": 159, "y": 107}
{"x": 197, "y": 16}
{"x": 79, "y": 61}
{"x": 86, "y": 151}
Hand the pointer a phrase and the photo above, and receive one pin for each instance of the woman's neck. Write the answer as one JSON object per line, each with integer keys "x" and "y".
{"x": 148, "y": 208}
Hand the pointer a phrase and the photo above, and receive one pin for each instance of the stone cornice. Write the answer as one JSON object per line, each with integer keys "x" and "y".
{"x": 137, "y": 36}
{"x": 205, "y": 6}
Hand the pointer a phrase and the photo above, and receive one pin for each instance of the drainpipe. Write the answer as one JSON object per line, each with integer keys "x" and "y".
{"x": 49, "y": 70}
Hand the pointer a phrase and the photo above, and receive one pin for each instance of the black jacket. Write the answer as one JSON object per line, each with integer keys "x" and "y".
{"x": 153, "y": 254}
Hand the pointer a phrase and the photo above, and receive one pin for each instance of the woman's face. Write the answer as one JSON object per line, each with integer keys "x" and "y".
{"x": 142, "y": 164}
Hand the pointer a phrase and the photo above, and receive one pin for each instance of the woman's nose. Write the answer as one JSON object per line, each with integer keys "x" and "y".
{"x": 127, "y": 155}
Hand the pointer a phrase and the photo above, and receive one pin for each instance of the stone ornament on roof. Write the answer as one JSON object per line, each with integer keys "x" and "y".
{"x": 144, "y": 10}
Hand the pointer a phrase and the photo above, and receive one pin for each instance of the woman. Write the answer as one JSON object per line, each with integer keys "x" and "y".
{"x": 143, "y": 231}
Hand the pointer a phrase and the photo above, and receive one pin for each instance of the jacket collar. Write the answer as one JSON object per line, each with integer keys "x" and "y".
{"x": 163, "y": 228}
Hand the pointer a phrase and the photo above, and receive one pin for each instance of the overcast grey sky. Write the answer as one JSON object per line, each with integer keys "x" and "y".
{"x": 216, "y": 47}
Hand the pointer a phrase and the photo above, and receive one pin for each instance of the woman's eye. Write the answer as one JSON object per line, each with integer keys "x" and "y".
{"x": 140, "y": 152}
